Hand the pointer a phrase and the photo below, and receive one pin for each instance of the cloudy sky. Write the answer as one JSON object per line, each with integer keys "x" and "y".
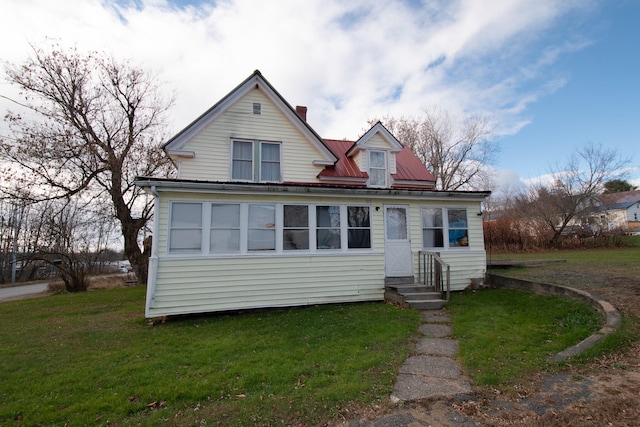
{"x": 554, "y": 74}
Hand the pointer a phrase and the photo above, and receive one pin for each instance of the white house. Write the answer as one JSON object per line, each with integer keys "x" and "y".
{"x": 265, "y": 213}
{"x": 619, "y": 211}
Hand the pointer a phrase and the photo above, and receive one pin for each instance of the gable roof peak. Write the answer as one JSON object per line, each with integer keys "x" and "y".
{"x": 378, "y": 128}
{"x": 258, "y": 81}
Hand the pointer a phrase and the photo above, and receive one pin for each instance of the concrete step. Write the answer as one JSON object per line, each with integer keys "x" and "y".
{"x": 432, "y": 304}
{"x": 415, "y": 288}
{"x": 413, "y": 296}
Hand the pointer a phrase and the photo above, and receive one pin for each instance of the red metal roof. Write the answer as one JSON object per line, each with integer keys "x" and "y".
{"x": 345, "y": 167}
{"x": 408, "y": 167}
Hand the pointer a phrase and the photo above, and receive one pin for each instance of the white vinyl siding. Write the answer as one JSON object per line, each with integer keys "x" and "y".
{"x": 189, "y": 286}
{"x": 326, "y": 273}
{"x": 213, "y": 150}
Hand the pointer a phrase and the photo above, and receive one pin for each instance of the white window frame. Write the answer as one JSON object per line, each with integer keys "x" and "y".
{"x": 446, "y": 228}
{"x": 207, "y": 230}
{"x": 174, "y": 228}
{"x": 257, "y": 162}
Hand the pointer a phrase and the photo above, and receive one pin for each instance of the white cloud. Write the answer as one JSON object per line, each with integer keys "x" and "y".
{"x": 347, "y": 61}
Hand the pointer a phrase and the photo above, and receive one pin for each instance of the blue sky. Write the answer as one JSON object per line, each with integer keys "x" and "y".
{"x": 553, "y": 74}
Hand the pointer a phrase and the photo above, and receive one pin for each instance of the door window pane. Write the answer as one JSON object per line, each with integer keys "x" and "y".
{"x": 396, "y": 223}
{"x": 261, "y": 233}
{"x": 296, "y": 227}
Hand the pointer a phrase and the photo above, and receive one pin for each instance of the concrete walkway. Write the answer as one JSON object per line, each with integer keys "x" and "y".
{"x": 432, "y": 372}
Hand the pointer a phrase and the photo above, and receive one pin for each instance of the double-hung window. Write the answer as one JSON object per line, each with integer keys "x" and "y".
{"x": 377, "y": 168}
{"x": 444, "y": 227}
{"x": 255, "y": 161}
{"x": 185, "y": 231}
{"x": 242, "y": 161}
{"x": 269, "y": 162}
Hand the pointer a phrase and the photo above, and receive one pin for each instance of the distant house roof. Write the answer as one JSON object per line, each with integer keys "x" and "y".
{"x": 621, "y": 197}
{"x": 621, "y": 200}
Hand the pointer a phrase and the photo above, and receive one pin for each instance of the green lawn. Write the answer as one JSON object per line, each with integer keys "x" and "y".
{"x": 92, "y": 359}
{"x": 504, "y": 335}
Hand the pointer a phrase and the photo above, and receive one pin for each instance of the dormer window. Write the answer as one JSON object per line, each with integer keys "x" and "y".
{"x": 377, "y": 168}
{"x": 257, "y": 161}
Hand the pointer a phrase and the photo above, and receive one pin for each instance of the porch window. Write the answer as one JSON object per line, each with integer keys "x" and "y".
{"x": 185, "y": 233}
{"x": 328, "y": 227}
{"x": 261, "y": 233}
{"x": 255, "y": 161}
{"x": 432, "y": 228}
{"x": 358, "y": 227}
{"x": 458, "y": 229}
{"x": 225, "y": 228}
{"x": 295, "y": 235}
{"x": 444, "y": 227}
{"x": 377, "y": 169}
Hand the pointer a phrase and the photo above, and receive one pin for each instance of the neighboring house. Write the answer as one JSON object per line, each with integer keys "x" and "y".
{"x": 266, "y": 213}
{"x": 619, "y": 211}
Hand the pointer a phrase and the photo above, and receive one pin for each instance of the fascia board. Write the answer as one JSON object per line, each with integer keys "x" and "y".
{"x": 234, "y": 188}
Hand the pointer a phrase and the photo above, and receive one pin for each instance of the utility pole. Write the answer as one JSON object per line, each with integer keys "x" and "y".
{"x": 14, "y": 257}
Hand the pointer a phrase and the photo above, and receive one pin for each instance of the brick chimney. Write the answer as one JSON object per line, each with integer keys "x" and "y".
{"x": 302, "y": 112}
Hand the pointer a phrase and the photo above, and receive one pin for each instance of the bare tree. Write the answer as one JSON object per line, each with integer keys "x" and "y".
{"x": 71, "y": 241}
{"x": 572, "y": 187}
{"x": 458, "y": 151}
{"x": 92, "y": 125}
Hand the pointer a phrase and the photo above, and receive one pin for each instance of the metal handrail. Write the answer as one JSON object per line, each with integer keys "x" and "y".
{"x": 430, "y": 267}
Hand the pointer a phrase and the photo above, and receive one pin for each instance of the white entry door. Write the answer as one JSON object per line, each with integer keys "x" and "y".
{"x": 397, "y": 242}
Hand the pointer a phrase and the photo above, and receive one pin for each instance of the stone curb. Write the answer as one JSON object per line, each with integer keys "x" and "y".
{"x": 613, "y": 318}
